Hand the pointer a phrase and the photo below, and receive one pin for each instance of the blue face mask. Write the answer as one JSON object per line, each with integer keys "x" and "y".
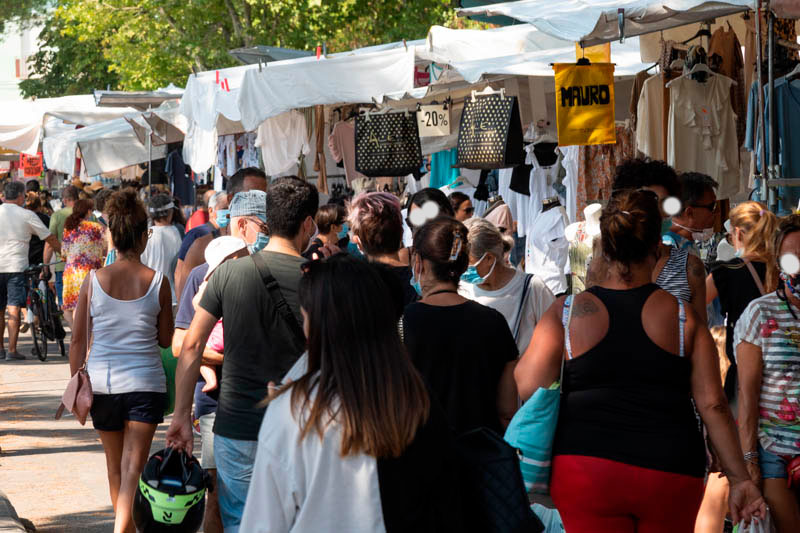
{"x": 345, "y": 230}
{"x": 415, "y": 283}
{"x": 223, "y": 218}
{"x": 666, "y": 225}
{"x": 472, "y": 276}
{"x": 261, "y": 241}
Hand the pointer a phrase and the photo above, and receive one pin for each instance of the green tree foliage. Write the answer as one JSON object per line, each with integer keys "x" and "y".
{"x": 150, "y": 43}
{"x": 22, "y": 12}
{"x": 66, "y": 64}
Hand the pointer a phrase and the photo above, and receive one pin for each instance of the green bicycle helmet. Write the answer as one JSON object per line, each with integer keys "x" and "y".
{"x": 171, "y": 495}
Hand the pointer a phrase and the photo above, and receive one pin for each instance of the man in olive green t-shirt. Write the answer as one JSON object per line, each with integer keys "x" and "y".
{"x": 68, "y": 197}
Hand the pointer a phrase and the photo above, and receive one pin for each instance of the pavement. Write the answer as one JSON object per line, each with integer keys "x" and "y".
{"x": 52, "y": 472}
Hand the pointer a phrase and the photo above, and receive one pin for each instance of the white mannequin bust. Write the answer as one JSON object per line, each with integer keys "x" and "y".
{"x": 591, "y": 226}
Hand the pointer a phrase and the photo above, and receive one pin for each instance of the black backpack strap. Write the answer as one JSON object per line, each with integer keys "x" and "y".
{"x": 274, "y": 291}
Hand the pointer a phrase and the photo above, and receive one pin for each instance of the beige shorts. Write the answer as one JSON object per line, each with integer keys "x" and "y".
{"x": 207, "y": 436}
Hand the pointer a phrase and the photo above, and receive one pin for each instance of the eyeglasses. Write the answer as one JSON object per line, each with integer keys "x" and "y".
{"x": 713, "y": 206}
{"x": 262, "y": 226}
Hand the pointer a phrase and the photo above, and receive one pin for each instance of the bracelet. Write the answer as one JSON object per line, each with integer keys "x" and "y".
{"x": 751, "y": 457}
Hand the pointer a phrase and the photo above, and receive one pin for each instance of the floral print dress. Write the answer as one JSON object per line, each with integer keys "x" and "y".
{"x": 83, "y": 249}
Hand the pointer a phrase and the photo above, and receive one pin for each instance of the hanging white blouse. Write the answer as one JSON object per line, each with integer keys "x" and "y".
{"x": 702, "y": 131}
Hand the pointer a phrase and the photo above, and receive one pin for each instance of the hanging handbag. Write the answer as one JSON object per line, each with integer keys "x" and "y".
{"x": 78, "y": 396}
{"x": 490, "y": 134}
{"x": 493, "y": 485}
{"x": 387, "y": 144}
{"x": 533, "y": 427}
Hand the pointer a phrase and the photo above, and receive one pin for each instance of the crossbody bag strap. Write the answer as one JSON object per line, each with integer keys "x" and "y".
{"x": 274, "y": 291}
{"x": 566, "y": 319}
{"x": 528, "y": 278}
{"x": 753, "y": 273}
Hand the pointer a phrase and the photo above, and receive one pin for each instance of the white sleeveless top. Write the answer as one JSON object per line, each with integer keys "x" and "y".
{"x": 125, "y": 356}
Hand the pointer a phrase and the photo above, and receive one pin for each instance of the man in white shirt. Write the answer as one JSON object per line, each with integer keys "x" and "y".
{"x": 17, "y": 226}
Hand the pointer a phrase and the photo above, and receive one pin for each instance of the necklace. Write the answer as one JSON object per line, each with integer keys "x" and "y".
{"x": 442, "y": 291}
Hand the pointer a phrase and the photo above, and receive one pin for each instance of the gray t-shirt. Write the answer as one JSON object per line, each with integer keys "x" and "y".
{"x": 259, "y": 345}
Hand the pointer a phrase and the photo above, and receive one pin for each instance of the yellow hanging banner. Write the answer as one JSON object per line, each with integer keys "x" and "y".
{"x": 596, "y": 54}
{"x": 585, "y": 103}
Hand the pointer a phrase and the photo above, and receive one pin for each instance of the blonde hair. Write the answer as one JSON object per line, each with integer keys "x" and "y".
{"x": 759, "y": 225}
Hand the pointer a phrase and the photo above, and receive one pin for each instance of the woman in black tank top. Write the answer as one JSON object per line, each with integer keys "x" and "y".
{"x": 629, "y": 453}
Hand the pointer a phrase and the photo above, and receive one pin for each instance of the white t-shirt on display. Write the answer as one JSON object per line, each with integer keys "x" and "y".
{"x": 17, "y": 226}
{"x": 506, "y": 300}
{"x": 162, "y": 249}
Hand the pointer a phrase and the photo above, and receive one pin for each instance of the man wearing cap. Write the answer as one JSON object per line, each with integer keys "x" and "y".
{"x": 263, "y": 336}
{"x": 248, "y": 216}
{"x": 68, "y": 198}
{"x": 218, "y": 219}
{"x": 164, "y": 240}
{"x": 247, "y": 179}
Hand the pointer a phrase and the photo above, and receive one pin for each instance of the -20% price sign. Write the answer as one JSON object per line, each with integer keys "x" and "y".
{"x": 433, "y": 120}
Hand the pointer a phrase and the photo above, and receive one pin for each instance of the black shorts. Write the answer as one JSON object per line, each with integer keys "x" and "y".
{"x": 110, "y": 411}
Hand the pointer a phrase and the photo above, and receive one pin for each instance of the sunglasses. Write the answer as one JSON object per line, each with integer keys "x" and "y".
{"x": 713, "y": 206}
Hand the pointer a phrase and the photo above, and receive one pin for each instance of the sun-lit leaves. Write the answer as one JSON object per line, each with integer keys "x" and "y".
{"x": 151, "y": 43}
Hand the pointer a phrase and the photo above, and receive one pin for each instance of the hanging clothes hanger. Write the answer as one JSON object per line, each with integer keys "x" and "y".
{"x": 794, "y": 74}
{"x": 487, "y": 91}
{"x": 705, "y": 31}
{"x": 700, "y": 67}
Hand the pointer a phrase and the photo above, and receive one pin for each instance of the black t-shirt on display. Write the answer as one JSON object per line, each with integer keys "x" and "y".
{"x": 259, "y": 346}
{"x": 461, "y": 351}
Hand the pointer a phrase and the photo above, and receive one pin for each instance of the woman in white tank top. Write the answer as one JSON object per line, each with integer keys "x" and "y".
{"x": 130, "y": 316}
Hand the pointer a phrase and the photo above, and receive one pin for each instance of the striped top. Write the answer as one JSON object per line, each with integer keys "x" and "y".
{"x": 768, "y": 324}
{"x": 673, "y": 278}
{"x": 671, "y": 238}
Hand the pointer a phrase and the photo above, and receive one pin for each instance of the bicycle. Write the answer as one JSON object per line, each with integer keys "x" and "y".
{"x": 46, "y": 324}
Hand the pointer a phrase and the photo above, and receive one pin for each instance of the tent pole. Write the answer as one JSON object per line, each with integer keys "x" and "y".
{"x": 771, "y": 170}
{"x": 762, "y": 126}
{"x": 149, "y": 158}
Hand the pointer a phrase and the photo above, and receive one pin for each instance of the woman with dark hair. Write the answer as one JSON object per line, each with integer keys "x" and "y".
{"x": 331, "y": 221}
{"x": 766, "y": 342}
{"x": 462, "y": 206}
{"x": 130, "y": 315}
{"x": 464, "y": 350}
{"x": 351, "y": 439}
{"x": 84, "y": 248}
{"x": 634, "y": 359}
{"x": 420, "y": 198}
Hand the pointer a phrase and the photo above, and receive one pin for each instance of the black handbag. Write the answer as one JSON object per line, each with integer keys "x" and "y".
{"x": 387, "y": 144}
{"x": 490, "y": 134}
{"x": 493, "y": 486}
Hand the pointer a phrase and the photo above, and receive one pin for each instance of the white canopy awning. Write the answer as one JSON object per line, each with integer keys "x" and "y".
{"x": 626, "y": 59}
{"x": 165, "y": 124}
{"x": 22, "y": 123}
{"x": 597, "y": 21}
{"x": 104, "y": 147}
{"x": 278, "y": 88}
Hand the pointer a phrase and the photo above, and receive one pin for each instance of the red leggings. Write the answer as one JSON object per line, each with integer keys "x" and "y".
{"x": 601, "y": 496}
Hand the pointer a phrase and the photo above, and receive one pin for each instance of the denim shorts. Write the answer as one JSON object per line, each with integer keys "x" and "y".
{"x": 110, "y": 411}
{"x": 12, "y": 289}
{"x": 207, "y": 437}
{"x": 772, "y": 466}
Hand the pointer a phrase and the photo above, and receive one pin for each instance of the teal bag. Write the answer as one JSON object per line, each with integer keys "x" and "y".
{"x": 533, "y": 427}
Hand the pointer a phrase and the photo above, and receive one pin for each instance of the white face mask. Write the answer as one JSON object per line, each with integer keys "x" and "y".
{"x": 313, "y": 236}
{"x": 702, "y": 235}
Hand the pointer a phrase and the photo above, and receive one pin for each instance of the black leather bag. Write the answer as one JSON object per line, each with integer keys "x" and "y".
{"x": 387, "y": 144}
{"x": 493, "y": 486}
{"x": 490, "y": 134}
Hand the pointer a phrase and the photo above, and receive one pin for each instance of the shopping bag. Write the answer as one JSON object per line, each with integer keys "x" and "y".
{"x": 549, "y": 517}
{"x": 531, "y": 432}
{"x": 585, "y": 104}
{"x": 387, "y": 144}
{"x": 170, "y": 364}
{"x": 533, "y": 427}
{"x": 490, "y": 134}
{"x": 756, "y": 526}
